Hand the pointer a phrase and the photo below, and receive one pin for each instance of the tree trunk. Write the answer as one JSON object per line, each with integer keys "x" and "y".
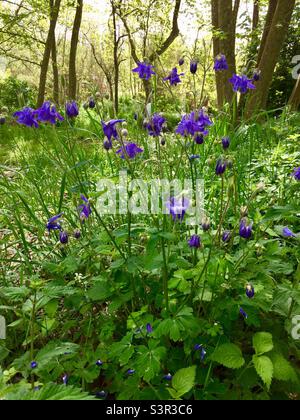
{"x": 269, "y": 19}
{"x": 54, "y": 11}
{"x": 55, "y": 73}
{"x": 224, "y": 18}
{"x": 294, "y": 101}
{"x": 116, "y": 60}
{"x": 255, "y": 16}
{"x": 280, "y": 24}
{"x": 73, "y": 51}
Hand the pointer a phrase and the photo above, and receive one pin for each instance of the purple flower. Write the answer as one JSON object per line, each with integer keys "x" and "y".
{"x": 296, "y": 173}
{"x": 194, "y": 157}
{"x": 107, "y": 144}
{"x": 33, "y": 365}
{"x": 177, "y": 207}
{"x": 225, "y": 142}
{"x": 149, "y": 328}
{"x": 226, "y": 236}
{"x": 130, "y": 372}
{"x": 205, "y": 224}
{"x": 48, "y": 114}
{"x": 245, "y": 229}
{"x": 167, "y": 377}
{"x": 27, "y": 116}
{"x": 193, "y": 66}
{"x": 194, "y": 123}
{"x": 195, "y": 241}
{"x": 2, "y": 120}
{"x": 99, "y": 363}
{"x": 92, "y": 103}
{"x": 65, "y": 379}
{"x": 101, "y": 394}
{"x": 241, "y": 83}
{"x": 174, "y": 77}
{"x": 77, "y": 234}
{"x": 72, "y": 109}
{"x": 250, "y": 291}
{"x": 221, "y": 167}
{"x": 109, "y": 128}
{"x": 199, "y": 139}
{"x": 63, "y": 237}
{"x": 287, "y": 233}
{"x": 53, "y": 223}
{"x": 199, "y": 347}
{"x": 131, "y": 150}
{"x": 243, "y": 313}
{"x": 181, "y": 62}
{"x": 155, "y": 125}
{"x": 256, "y": 75}
{"x": 220, "y": 63}
{"x": 85, "y": 208}
{"x": 144, "y": 70}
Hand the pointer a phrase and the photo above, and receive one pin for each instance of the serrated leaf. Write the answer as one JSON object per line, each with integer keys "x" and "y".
{"x": 264, "y": 368}
{"x": 228, "y": 355}
{"x": 262, "y": 342}
{"x": 283, "y": 371}
{"x": 184, "y": 380}
{"x": 50, "y": 392}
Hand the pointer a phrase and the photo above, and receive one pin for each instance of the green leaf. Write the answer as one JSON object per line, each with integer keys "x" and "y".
{"x": 262, "y": 342}
{"x": 52, "y": 350}
{"x": 264, "y": 368}
{"x": 283, "y": 371}
{"x": 49, "y": 392}
{"x": 228, "y": 355}
{"x": 148, "y": 361}
{"x": 184, "y": 380}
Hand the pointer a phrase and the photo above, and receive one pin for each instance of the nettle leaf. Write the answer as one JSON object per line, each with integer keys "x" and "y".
{"x": 262, "y": 342}
{"x": 183, "y": 381}
{"x": 264, "y": 368}
{"x": 52, "y": 350}
{"x": 283, "y": 371}
{"x": 148, "y": 361}
{"x": 50, "y": 392}
{"x": 123, "y": 350}
{"x": 15, "y": 293}
{"x": 228, "y": 355}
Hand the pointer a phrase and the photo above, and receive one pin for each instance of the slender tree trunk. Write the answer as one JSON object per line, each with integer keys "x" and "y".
{"x": 255, "y": 16}
{"x": 73, "y": 50}
{"x": 217, "y": 50}
{"x": 54, "y": 11}
{"x": 269, "y": 19}
{"x": 280, "y": 24}
{"x": 294, "y": 101}
{"x": 116, "y": 60}
{"x": 55, "y": 73}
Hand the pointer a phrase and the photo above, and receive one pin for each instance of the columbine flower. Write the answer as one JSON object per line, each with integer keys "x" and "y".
{"x": 250, "y": 291}
{"x": 199, "y": 347}
{"x": 245, "y": 229}
{"x": 101, "y": 394}
{"x": 177, "y": 207}
{"x": 155, "y": 125}
{"x": 63, "y": 238}
{"x": 144, "y": 70}
{"x": 77, "y": 234}
{"x": 220, "y": 63}
{"x": 92, "y": 103}
{"x": 2, "y": 120}
{"x": 107, "y": 144}
{"x": 109, "y": 128}
{"x": 130, "y": 371}
{"x": 193, "y": 67}
{"x": 65, "y": 379}
{"x": 194, "y": 123}
{"x": 181, "y": 62}
{"x": 33, "y": 365}
{"x": 168, "y": 377}
{"x": 194, "y": 157}
{"x": 174, "y": 77}
{"x": 27, "y": 116}
{"x": 205, "y": 224}
{"x": 221, "y": 167}
{"x": 72, "y": 109}
{"x": 149, "y": 328}
{"x": 199, "y": 139}
{"x": 225, "y": 142}
{"x": 256, "y": 75}
{"x": 130, "y": 150}
{"x": 48, "y": 114}
{"x": 296, "y": 173}
{"x": 195, "y": 241}
{"x": 53, "y": 223}
{"x": 243, "y": 313}
{"x": 85, "y": 208}
{"x": 241, "y": 83}
{"x": 226, "y": 236}
{"x": 288, "y": 233}
{"x": 99, "y": 363}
